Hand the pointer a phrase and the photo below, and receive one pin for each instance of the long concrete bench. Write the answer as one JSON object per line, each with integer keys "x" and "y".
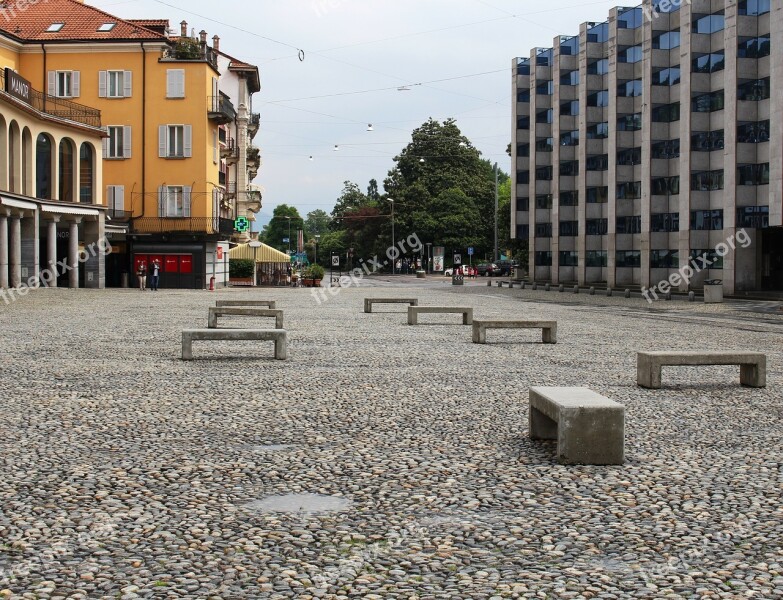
{"x": 753, "y": 365}
{"x": 548, "y": 329}
{"x": 243, "y": 311}
{"x": 278, "y": 336}
{"x": 267, "y": 303}
{"x": 415, "y": 311}
{"x": 368, "y": 302}
{"x": 589, "y": 428}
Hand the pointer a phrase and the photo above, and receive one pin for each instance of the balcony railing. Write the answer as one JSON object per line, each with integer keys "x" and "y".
{"x": 60, "y": 107}
{"x": 174, "y": 225}
{"x": 118, "y": 215}
{"x": 253, "y": 124}
{"x": 190, "y": 50}
{"x": 220, "y": 109}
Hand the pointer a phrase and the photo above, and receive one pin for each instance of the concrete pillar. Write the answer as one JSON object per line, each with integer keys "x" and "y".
{"x": 30, "y": 256}
{"x": 51, "y": 251}
{"x": 73, "y": 253}
{"x": 15, "y": 251}
{"x": 3, "y": 252}
{"x": 94, "y": 245}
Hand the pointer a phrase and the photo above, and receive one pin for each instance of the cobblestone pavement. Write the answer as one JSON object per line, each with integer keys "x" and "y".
{"x": 380, "y": 460}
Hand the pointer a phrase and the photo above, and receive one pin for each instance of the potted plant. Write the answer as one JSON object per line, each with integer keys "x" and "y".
{"x": 313, "y": 275}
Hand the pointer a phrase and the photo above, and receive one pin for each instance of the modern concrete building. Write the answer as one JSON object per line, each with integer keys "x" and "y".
{"x": 651, "y": 144}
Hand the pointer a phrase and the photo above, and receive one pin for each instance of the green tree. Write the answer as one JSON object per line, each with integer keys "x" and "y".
{"x": 285, "y": 219}
{"x": 317, "y": 222}
{"x": 440, "y": 159}
{"x": 351, "y": 198}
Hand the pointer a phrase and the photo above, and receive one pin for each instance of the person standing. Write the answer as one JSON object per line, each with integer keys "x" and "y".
{"x": 155, "y": 275}
{"x": 142, "y": 275}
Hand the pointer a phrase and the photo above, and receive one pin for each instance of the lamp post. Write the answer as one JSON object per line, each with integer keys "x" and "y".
{"x": 255, "y": 245}
{"x": 496, "y": 212}
{"x": 317, "y": 239}
{"x": 289, "y": 235}
{"x": 429, "y": 257}
{"x": 394, "y": 242}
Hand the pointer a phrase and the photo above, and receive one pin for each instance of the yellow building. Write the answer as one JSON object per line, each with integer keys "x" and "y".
{"x": 52, "y": 223}
{"x": 162, "y": 108}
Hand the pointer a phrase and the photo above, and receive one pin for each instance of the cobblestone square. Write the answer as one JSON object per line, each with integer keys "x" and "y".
{"x": 380, "y": 460}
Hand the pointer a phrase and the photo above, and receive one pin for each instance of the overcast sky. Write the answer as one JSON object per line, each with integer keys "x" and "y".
{"x": 358, "y": 45}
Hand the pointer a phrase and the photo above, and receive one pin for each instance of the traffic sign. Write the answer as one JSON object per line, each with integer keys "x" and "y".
{"x": 458, "y": 259}
{"x": 335, "y": 261}
{"x": 241, "y": 224}
{"x": 286, "y": 240}
{"x": 470, "y": 251}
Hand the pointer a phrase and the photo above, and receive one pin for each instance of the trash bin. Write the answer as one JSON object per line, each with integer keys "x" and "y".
{"x": 125, "y": 280}
{"x": 713, "y": 291}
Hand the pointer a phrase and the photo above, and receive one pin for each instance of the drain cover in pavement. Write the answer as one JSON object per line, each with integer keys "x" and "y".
{"x": 300, "y": 503}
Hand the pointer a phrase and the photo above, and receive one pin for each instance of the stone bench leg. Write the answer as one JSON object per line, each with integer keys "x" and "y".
{"x": 413, "y": 318}
{"x": 281, "y": 348}
{"x": 414, "y": 303}
{"x": 212, "y": 321}
{"x": 549, "y": 335}
{"x": 648, "y": 373}
{"x": 541, "y": 427}
{"x": 367, "y": 306}
{"x": 591, "y": 437}
{"x": 467, "y": 317}
{"x": 187, "y": 347}
{"x": 279, "y": 322}
{"x": 479, "y": 334}
{"x": 754, "y": 375}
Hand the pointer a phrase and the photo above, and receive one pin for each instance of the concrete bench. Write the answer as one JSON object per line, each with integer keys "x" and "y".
{"x": 368, "y": 302}
{"x": 267, "y": 303}
{"x": 753, "y": 365}
{"x": 278, "y": 336}
{"x": 548, "y": 329}
{"x": 243, "y": 311}
{"x": 415, "y": 311}
{"x": 589, "y": 428}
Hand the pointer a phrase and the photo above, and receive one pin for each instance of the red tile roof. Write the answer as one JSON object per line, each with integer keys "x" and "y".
{"x": 81, "y": 22}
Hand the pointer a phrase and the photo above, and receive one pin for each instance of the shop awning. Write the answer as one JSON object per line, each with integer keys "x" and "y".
{"x": 13, "y": 203}
{"x": 70, "y": 210}
{"x": 262, "y": 254}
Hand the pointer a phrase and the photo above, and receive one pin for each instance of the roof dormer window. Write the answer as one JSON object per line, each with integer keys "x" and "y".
{"x": 106, "y": 27}
{"x": 55, "y": 27}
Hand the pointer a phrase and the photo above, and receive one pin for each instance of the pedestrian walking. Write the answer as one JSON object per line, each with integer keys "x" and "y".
{"x": 141, "y": 273}
{"x": 155, "y": 275}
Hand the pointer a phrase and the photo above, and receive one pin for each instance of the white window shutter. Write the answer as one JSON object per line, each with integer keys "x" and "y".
{"x": 215, "y": 147}
{"x": 127, "y": 78}
{"x": 102, "y": 83}
{"x": 162, "y": 135}
{"x": 119, "y": 197}
{"x": 76, "y": 84}
{"x": 162, "y": 201}
{"x": 105, "y": 147}
{"x": 188, "y": 141}
{"x": 52, "y": 83}
{"x": 126, "y": 142}
{"x": 181, "y": 76}
{"x": 186, "y": 200}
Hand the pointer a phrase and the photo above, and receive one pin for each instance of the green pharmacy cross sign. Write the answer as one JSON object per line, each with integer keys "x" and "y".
{"x": 241, "y": 225}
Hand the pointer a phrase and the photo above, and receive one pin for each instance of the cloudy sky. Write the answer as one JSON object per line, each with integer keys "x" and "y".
{"x": 454, "y": 56}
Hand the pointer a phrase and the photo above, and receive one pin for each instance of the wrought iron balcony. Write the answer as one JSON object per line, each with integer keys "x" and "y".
{"x": 253, "y": 124}
{"x": 221, "y": 110}
{"x": 230, "y": 152}
{"x": 58, "y": 107}
{"x": 183, "y": 225}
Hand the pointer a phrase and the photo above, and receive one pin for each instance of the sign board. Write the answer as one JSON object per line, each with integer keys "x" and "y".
{"x": 470, "y": 251}
{"x": 458, "y": 259}
{"x": 438, "y": 254}
{"x": 17, "y": 86}
{"x": 335, "y": 261}
{"x": 241, "y": 225}
{"x": 220, "y": 252}
{"x": 286, "y": 240}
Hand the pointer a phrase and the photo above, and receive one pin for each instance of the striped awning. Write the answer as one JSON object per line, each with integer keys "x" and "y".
{"x": 262, "y": 254}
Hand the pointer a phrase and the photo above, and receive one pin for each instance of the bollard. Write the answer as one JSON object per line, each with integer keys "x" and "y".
{"x": 609, "y": 292}
{"x": 668, "y": 296}
{"x": 691, "y": 297}
{"x": 534, "y": 286}
{"x": 522, "y": 285}
{"x": 627, "y": 293}
{"x": 592, "y": 291}
{"x": 547, "y": 287}
{"x": 489, "y": 283}
{"x": 576, "y": 289}
{"x": 561, "y": 288}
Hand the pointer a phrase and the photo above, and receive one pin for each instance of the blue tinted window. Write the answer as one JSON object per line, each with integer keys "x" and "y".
{"x": 754, "y": 7}
{"x": 598, "y": 67}
{"x": 599, "y": 33}
{"x": 544, "y": 58}
{"x": 569, "y": 77}
{"x": 630, "y": 89}
{"x": 632, "y": 54}
{"x": 666, "y": 6}
{"x": 545, "y": 88}
{"x": 523, "y": 66}
{"x": 630, "y": 19}
{"x": 523, "y": 95}
{"x": 666, "y": 40}
{"x": 670, "y": 76}
{"x": 755, "y": 217}
{"x": 754, "y": 47}
{"x": 570, "y": 46}
{"x": 710, "y": 63}
{"x": 709, "y": 23}
{"x": 598, "y": 99}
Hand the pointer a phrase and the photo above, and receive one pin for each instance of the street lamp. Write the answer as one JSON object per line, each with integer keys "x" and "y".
{"x": 317, "y": 239}
{"x": 289, "y": 235}
{"x": 394, "y": 242}
{"x": 429, "y": 256}
{"x": 255, "y": 245}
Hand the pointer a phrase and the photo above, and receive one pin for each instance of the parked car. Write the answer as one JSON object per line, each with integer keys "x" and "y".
{"x": 488, "y": 270}
{"x": 506, "y": 266}
{"x": 465, "y": 270}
